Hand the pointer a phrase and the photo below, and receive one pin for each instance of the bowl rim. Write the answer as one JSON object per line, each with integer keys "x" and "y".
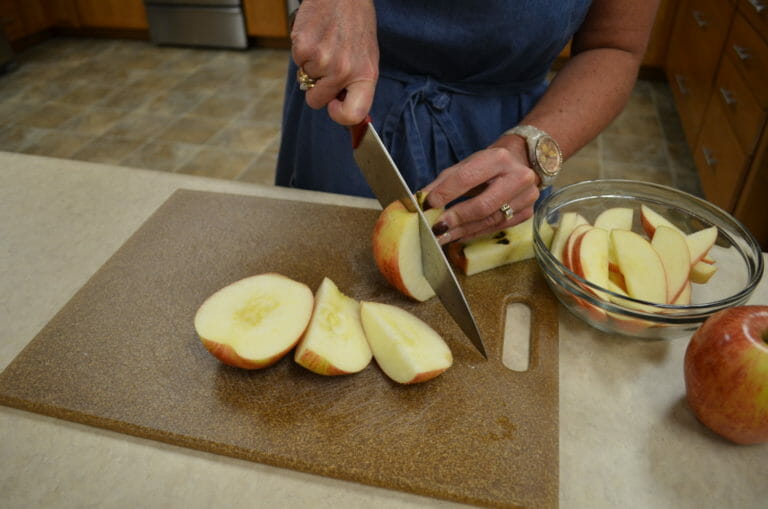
{"x": 670, "y": 312}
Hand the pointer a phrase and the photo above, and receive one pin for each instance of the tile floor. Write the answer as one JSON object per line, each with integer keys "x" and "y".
{"x": 217, "y": 114}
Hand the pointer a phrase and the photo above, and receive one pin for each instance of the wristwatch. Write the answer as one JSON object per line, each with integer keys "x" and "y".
{"x": 544, "y": 153}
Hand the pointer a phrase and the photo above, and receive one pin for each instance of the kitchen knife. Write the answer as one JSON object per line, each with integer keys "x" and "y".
{"x": 388, "y": 185}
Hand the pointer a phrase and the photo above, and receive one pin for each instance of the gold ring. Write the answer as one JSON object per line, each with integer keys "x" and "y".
{"x": 305, "y": 82}
{"x": 507, "y": 211}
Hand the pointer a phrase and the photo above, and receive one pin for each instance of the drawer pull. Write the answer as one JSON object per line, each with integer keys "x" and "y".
{"x": 681, "y": 84}
{"x": 742, "y": 52}
{"x": 727, "y": 96}
{"x": 757, "y": 4}
{"x": 698, "y": 16}
{"x": 709, "y": 157}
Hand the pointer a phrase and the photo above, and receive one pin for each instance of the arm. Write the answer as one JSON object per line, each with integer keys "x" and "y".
{"x": 334, "y": 41}
{"x": 585, "y": 96}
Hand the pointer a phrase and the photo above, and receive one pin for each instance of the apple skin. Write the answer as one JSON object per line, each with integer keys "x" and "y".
{"x": 227, "y": 355}
{"x": 726, "y": 374}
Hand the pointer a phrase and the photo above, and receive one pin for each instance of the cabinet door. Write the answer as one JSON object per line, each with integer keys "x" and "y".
{"x": 10, "y": 20}
{"x": 266, "y": 18}
{"x": 112, "y": 14}
{"x": 721, "y": 162}
{"x": 698, "y": 36}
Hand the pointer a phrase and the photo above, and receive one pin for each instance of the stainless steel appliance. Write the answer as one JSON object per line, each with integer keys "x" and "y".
{"x": 218, "y": 23}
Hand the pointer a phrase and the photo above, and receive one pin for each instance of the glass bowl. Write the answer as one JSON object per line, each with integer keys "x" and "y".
{"x": 736, "y": 254}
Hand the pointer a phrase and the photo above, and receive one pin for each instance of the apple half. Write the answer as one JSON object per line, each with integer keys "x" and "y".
{"x": 397, "y": 250}
{"x": 334, "y": 342}
{"x": 406, "y": 348}
{"x": 254, "y": 322}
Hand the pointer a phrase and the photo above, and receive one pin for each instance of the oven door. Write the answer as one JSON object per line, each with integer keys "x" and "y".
{"x": 214, "y": 23}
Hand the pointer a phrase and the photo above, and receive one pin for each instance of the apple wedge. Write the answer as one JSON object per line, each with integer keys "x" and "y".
{"x": 590, "y": 258}
{"x": 615, "y": 218}
{"x": 568, "y": 222}
{"x": 650, "y": 220}
{"x": 700, "y": 242}
{"x": 406, "y": 349}
{"x": 672, "y": 247}
{"x": 570, "y": 245}
{"x": 397, "y": 250}
{"x": 254, "y": 322}
{"x": 334, "y": 342}
{"x": 701, "y": 272}
{"x": 684, "y": 297}
{"x": 506, "y": 246}
{"x": 641, "y": 266}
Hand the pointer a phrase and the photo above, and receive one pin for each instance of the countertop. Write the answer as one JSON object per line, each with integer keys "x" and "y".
{"x": 627, "y": 438}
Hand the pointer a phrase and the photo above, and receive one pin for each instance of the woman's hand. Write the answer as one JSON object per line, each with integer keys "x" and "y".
{"x": 502, "y": 175}
{"x": 334, "y": 41}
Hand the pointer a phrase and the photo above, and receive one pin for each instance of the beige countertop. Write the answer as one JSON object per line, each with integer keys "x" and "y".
{"x": 627, "y": 438}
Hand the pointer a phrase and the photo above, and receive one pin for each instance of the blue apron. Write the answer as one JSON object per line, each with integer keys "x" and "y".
{"x": 454, "y": 75}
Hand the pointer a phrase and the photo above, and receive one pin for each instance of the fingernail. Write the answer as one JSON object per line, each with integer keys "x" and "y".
{"x": 440, "y": 228}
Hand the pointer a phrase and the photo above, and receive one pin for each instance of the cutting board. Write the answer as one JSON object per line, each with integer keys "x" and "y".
{"x": 123, "y": 355}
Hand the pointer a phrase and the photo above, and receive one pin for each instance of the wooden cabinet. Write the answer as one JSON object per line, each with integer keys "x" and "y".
{"x": 717, "y": 65}
{"x": 129, "y": 14}
{"x": 266, "y": 18}
{"x": 20, "y": 18}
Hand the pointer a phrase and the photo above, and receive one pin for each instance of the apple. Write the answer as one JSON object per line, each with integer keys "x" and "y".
{"x": 570, "y": 245}
{"x": 568, "y": 222}
{"x": 334, "y": 342}
{"x": 254, "y": 322}
{"x": 672, "y": 248}
{"x": 615, "y": 218}
{"x": 650, "y": 220}
{"x": 590, "y": 258}
{"x": 726, "y": 374}
{"x": 406, "y": 348}
{"x": 641, "y": 266}
{"x": 397, "y": 250}
{"x": 506, "y": 246}
{"x": 684, "y": 297}
{"x": 702, "y": 271}
{"x": 700, "y": 242}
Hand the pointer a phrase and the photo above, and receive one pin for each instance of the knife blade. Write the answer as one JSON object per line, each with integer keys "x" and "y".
{"x": 387, "y": 183}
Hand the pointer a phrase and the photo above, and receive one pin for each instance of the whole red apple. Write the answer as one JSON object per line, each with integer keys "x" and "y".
{"x": 726, "y": 374}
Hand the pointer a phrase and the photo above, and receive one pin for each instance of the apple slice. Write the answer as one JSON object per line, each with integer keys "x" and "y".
{"x": 650, "y": 220}
{"x": 673, "y": 251}
{"x": 641, "y": 266}
{"x": 407, "y": 349}
{"x": 254, "y": 322}
{"x": 570, "y": 245}
{"x": 397, "y": 250}
{"x": 700, "y": 242}
{"x": 684, "y": 297}
{"x": 506, "y": 246}
{"x": 568, "y": 222}
{"x": 615, "y": 218}
{"x": 334, "y": 343}
{"x": 701, "y": 272}
{"x": 590, "y": 258}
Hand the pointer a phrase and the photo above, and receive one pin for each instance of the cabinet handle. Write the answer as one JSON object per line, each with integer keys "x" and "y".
{"x": 680, "y": 79}
{"x": 758, "y": 5}
{"x": 698, "y": 16}
{"x": 742, "y": 52}
{"x": 727, "y": 96}
{"x": 709, "y": 157}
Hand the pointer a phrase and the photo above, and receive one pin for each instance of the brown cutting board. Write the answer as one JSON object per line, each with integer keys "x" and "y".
{"x": 123, "y": 355}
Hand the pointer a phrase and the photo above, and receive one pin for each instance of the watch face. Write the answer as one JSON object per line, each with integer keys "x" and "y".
{"x": 548, "y": 155}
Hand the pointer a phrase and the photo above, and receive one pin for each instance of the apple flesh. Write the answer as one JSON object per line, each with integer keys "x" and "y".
{"x": 397, "y": 250}
{"x": 506, "y": 246}
{"x": 672, "y": 247}
{"x": 406, "y": 349}
{"x": 726, "y": 374}
{"x": 334, "y": 342}
{"x": 254, "y": 322}
{"x": 641, "y": 266}
{"x": 568, "y": 222}
{"x": 569, "y": 251}
{"x": 615, "y": 218}
{"x": 702, "y": 272}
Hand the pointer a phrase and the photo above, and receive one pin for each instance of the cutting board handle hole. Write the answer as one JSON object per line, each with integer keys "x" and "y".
{"x": 516, "y": 350}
